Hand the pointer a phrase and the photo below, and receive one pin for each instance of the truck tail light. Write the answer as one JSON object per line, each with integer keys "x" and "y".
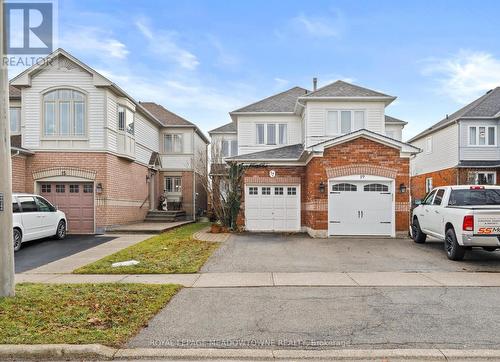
{"x": 468, "y": 224}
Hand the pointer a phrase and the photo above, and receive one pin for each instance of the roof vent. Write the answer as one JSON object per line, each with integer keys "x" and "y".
{"x": 488, "y": 92}
{"x": 446, "y": 116}
{"x": 315, "y": 83}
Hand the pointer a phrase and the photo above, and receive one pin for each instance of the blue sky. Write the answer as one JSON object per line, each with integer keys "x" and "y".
{"x": 202, "y": 59}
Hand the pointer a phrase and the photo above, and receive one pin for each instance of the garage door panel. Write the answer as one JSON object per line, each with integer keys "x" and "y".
{"x": 360, "y": 208}
{"x": 76, "y": 200}
{"x": 273, "y": 209}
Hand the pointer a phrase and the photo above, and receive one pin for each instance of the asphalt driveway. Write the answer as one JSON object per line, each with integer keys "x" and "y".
{"x": 262, "y": 252}
{"x": 334, "y": 317}
{"x": 36, "y": 253}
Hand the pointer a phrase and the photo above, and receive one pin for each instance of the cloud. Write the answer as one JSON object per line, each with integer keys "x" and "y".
{"x": 164, "y": 44}
{"x": 224, "y": 56}
{"x": 281, "y": 83}
{"x": 465, "y": 75}
{"x": 96, "y": 41}
{"x": 320, "y": 27}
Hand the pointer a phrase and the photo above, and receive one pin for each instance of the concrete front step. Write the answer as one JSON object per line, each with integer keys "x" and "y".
{"x": 165, "y": 216}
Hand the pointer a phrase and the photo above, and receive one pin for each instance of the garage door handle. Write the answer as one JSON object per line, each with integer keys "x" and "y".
{"x": 362, "y": 214}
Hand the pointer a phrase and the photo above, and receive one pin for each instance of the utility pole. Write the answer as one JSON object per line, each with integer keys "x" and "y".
{"x": 6, "y": 243}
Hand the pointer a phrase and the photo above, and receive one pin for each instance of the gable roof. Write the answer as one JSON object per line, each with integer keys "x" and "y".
{"x": 486, "y": 106}
{"x": 14, "y": 92}
{"x": 166, "y": 117}
{"x": 393, "y": 120}
{"x": 286, "y": 153}
{"x": 281, "y": 102}
{"x": 340, "y": 88}
{"x": 403, "y": 146}
{"x": 227, "y": 128}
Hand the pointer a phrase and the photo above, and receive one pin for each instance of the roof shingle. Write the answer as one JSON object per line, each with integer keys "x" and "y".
{"x": 14, "y": 92}
{"x": 293, "y": 152}
{"x": 227, "y": 128}
{"x": 344, "y": 89}
{"x": 164, "y": 115}
{"x": 281, "y": 102}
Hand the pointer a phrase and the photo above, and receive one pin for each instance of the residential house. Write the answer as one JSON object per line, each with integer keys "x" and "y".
{"x": 461, "y": 149}
{"x": 91, "y": 149}
{"x": 327, "y": 161}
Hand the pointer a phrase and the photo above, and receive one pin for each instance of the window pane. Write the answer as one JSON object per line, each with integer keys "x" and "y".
{"x": 491, "y": 136}
{"x": 482, "y": 136}
{"x": 43, "y": 206}
{"x": 472, "y": 135}
{"x": 168, "y": 143}
{"x": 439, "y": 197}
{"x": 88, "y": 189}
{"x": 178, "y": 184}
{"x": 64, "y": 118}
{"x": 121, "y": 118}
{"x": 271, "y": 134}
{"x": 77, "y": 96}
{"x": 168, "y": 184}
{"x": 283, "y": 134}
{"x": 61, "y": 189}
{"x": 28, "y": 204}
{"x": 345, "y": 121}
{"x": 79, "y": 126}
{"x": 74, "y": 189}
{"x": 260, "y": 134}
{"x": 177, "y": 143}
{"x": 234, "y": 148}
{"x": 65, "y": 94}
{"x": 359, "y": 120}
{"x": 51, "y": 96}
{"x": 129, "y": 119}
{"x": 225, "y": 148}
{"x": 15, "y": 207}
{"x": 50, "y": 119}
{"x": 332, "y": 123}
{"x": 15, "y": 119}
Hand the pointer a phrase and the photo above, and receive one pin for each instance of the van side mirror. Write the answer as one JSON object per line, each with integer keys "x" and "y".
{"x": 417, "y": 202}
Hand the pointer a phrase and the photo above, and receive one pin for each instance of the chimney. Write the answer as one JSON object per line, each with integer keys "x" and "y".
{"x": 315, "y": 83}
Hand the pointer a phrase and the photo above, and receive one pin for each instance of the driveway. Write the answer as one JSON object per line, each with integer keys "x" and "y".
{"x": 332, "y": 317}
{"x": 36, "y": 253}
{"x": 299, "y": 253}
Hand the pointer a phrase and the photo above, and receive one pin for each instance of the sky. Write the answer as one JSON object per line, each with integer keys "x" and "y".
{"x": 204, "y": 58}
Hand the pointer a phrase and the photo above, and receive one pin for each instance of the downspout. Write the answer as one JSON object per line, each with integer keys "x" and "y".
{"x": 194, "y": 177}
{"x": 459, "y": 146}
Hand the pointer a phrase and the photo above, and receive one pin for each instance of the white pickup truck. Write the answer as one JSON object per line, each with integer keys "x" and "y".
{"x": 462, "y": 216}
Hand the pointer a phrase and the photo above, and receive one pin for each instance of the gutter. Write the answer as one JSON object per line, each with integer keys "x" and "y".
{"x": 21, "y": 150}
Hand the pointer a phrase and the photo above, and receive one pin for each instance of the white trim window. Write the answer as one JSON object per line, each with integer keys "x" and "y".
{"x": 428, "y": 145}
{"x": 172, "y": 143}
{"x": 344, "y": 121}
{"x": 485, "y": 178}
{"x": 482, "y": 136}
{"x": 229, "y": 148}
{"x": 173, "y": 184}
{"x": 64, "y": 113}
{"x": 15, "y": 120}
{"x": 271, "y": 134}
{"x": 125, "y": 120}
{"x": 428, "y": 185}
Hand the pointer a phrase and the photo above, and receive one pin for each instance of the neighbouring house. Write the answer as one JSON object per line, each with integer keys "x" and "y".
{"x": 327, "y": 161}
{"x": 91, "y": 149}
{"x": 461, "y": 149}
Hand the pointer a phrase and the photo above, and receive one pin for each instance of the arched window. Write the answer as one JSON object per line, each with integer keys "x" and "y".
{"x": 64, "y": 113}
{"x": 344, "y": 187}
{"x": 376, "y": 188}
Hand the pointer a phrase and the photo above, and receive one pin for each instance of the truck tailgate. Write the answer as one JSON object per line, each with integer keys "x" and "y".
{"x": 487, "y": 222}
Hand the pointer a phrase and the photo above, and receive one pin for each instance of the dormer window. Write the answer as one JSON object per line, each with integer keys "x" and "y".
{"x": 64, "y": 113}
{"x": 344, "y": 121}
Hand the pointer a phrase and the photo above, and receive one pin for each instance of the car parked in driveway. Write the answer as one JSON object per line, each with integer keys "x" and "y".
{"x": 462, "y": 216}
{"x": 35, "y": 218}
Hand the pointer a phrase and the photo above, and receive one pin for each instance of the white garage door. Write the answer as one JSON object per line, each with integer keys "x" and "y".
{"x": 360, "y": 208}
{"x": 272, "y": 208}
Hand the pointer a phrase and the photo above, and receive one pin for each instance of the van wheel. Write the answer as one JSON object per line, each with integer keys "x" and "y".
{"x": 454, "y": 251}
{"x": 18, "y": 239}
{"x": 417, "y": 233}
{"x": 61, "y": 230}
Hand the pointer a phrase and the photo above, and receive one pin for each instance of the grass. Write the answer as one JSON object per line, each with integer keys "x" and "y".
{"x": 172, "y": 252}
{"x": 80, "y": 313}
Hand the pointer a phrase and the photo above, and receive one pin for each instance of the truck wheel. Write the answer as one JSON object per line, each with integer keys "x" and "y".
{"x": 454, "y": 251}
{"x": 417, "y": 233}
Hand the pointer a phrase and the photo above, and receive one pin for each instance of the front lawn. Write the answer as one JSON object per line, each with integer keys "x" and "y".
{"x": 174, "y": 251}
{"x": 109, "y": 314}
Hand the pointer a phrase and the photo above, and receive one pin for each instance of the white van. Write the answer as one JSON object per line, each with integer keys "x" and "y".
{"x": 36, "y": 218}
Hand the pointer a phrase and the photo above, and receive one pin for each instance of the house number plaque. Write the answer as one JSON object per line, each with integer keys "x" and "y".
{"x": 272, "y": 173}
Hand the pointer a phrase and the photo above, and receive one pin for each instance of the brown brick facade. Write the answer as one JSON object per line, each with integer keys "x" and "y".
{"x": 125, "y": 191}
{"x": 359, "y": 156}
{"x": 18, "y": 173}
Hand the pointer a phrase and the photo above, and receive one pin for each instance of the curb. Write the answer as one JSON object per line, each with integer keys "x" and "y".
{"x": 97, "y": 351}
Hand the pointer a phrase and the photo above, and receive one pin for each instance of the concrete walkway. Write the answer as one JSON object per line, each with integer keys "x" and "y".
{"x": 237, "y": 280}
{"x": 147, "y": 227}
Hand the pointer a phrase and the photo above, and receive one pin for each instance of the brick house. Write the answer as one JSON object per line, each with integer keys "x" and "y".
{"x": 92, "y": 150}
{"x": 461, "y": 149}
{"x": 328, "y": 162}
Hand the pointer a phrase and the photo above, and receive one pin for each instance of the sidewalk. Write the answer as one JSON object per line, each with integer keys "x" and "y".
{"x": 237, "y": 280}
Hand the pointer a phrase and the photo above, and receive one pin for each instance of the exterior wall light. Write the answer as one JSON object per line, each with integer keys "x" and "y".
{"x": 98, "y": 188}
{"x": 322, "y": 187}
{"x": 402, "y": 188}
